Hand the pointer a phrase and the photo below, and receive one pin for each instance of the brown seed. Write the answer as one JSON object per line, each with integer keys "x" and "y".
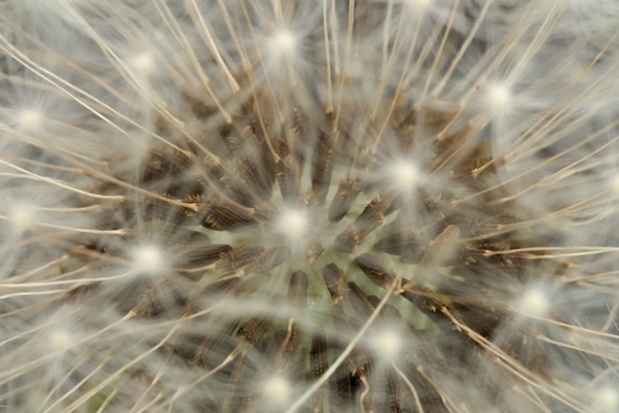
{"x": 288, "y": 179}
{"x": 318, "y": 354}
{"x": 443, "y": 247}
{"x": 402, "y": 242}
{"x": 318, "y": 365}
{"x": 290, "y": 349}
{"x": 369, "y": 219}
{"x": 246, "y": 185}
{"x": 254, "y": 329}
{"x": 219, "y": 286}
{"x": 297, "y": 289}
{"x": 422, "y": 297}
{"x": 216, "y": 344}
{"x": 239, "y": 257}
{"x": 373, "y": 214}
{"x": 200, "y": 256}
{"x": 163, "y": 296}
{"x": 394, "y": 392}
{"x": 377, "y": 269}
{"x": 268, "y": 259}
{"x": 223, "y": 215}
{"x": 358, "y": 359}
{"x": 439, "y": 252}
{"x": 322, "y": 166}
{"x": 314, "y": 250}
{"x": 359, "y": 301}
{"x": 347, "y": 192}
{"x": 349, "y": 239}
{"x": 336, "y": 282}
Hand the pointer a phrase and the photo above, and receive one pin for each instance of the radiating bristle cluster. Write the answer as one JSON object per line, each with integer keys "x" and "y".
{"x": 310, "y": 205}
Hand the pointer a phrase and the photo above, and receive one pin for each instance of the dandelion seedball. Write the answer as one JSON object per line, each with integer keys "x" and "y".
{"x": 325, "y": 206}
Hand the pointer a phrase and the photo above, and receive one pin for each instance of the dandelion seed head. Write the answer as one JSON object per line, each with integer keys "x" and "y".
{"x": 534, "y": 302}
{"x": 404, "y": 175}
{"x": 60, "y": 340}
{"x": 143, "y": 64}
{"x": 22, "y": 217}
{"x": 606, "y": 400}
{"x": 148, "y": 259}
{"x": 284, "y": 41}
{"x": 387, "y": 343}
{"x": 282, "y": 45}
{"x": 614, "y": 185}
{"x": 276, "y": 390}
{"x": 498, "y": 98}
{"x": 318, "y": 191}
{"x": 419, "y": 5}
{"x": 30, "y": 120}
{"x": 294, "y": 224}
